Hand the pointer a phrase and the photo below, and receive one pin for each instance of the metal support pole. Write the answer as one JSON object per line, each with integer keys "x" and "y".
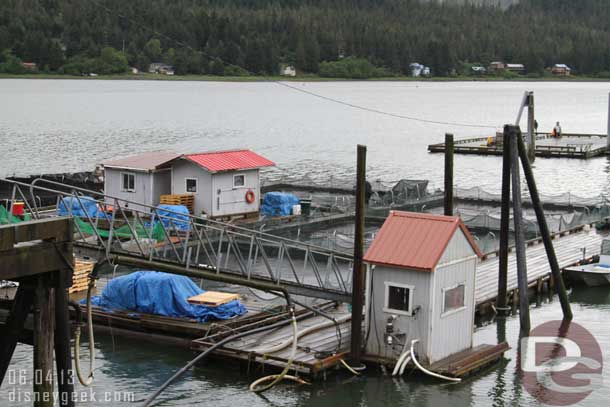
{"x": 531, "y": 128}
{"x": 524, "y": 314}
{"x": 358, "y": 273}
{"x": 448, "y": 174}
{"x": 544, "y": 232}
{"x": 501, "y": 301}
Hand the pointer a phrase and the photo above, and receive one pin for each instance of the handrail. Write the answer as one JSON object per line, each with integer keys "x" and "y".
{"x": 233, "y": 227}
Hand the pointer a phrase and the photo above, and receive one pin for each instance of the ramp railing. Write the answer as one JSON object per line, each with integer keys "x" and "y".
{"x": 109, "y": 226}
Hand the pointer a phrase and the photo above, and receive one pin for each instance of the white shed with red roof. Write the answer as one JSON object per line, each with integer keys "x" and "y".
{"x": 224, "y": 183}
{"x": 420, "y": 285}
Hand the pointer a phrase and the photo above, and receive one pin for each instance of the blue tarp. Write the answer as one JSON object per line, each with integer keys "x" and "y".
{"x": 153, "y": 292}
{"x": 278, "y": 204}
{"x": 179, "y": 215}
{"x": 70, "y": 204}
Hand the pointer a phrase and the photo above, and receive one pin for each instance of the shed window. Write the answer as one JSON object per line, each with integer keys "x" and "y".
{"x": 398, "y": 298}
{"x": 128, "y": 181}
{"x": 453, "y": 298}
{"x": 191, "y": 185}
{"x": 239, "y": 180}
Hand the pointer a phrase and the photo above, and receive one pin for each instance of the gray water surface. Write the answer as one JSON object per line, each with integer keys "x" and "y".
{"x": 59, "y": 125}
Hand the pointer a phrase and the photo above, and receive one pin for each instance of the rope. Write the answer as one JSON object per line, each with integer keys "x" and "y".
{"x": 395, "y": 115}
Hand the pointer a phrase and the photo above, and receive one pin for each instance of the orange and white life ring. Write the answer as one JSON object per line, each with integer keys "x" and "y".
{"x": 250, "y": 197}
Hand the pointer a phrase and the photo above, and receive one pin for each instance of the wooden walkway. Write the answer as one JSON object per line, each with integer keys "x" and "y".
{"x": 316, "y": 351}
{"x": 580, "y": 146}
{"x": 567, "y": 248}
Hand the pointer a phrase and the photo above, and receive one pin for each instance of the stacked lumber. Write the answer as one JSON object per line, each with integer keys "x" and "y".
{"x": 212, "y": 298}
{"x": 80, "y": 277}
{"x": 187, "y": 200}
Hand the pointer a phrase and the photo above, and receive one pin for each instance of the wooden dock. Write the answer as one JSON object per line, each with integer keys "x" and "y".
{"x": 568, "y": 248}
{"x": 570, "y": 145}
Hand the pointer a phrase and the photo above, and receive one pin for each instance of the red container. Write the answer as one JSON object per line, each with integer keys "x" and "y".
{"x": 18, "y": 209}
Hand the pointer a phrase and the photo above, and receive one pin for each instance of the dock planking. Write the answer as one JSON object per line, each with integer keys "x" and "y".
{"x": 568, "y": 249}
{"x": 581, "y": 146}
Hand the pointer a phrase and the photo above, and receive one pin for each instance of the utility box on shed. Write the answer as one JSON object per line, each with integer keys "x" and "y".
{"x": 420, "y": 285}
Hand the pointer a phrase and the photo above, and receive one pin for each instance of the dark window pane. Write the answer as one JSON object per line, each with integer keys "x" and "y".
{"x": 191, "y": 185}
{"x": 398, "y": 298}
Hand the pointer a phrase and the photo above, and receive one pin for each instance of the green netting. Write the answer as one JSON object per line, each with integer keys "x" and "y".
{"x": 6, "y": 218}
{"x": 123, "y": 231}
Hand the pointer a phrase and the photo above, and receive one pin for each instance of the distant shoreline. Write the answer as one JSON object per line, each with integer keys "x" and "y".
{"x": 304, "y": 78}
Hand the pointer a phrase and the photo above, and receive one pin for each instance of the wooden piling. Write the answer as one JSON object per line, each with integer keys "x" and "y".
{"x": 608, "y": 138}
{"x": 14, "y": 325}
{"x": 358, "y": 271}
{"x": 524, "y": 316}
{"x": 44, "y": 327}
{"x": 501, "y": 304}
{"x": 63, "y": 355}
{"x": 449, "y": 147}
{"x": 531, "y": 128}
{"x": 544, "y": 232}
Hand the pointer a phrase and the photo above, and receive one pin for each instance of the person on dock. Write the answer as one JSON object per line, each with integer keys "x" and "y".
{"x": 557, "y": 130}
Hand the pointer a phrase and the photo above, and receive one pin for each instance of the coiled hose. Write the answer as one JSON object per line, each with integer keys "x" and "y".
{"x": 89, "y": 380}
{"x": 426, "y": 371}
{"x": 278, "y": 378}
{"x": 209, "y": 350}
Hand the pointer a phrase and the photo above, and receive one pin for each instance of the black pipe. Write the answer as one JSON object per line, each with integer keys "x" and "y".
{"x": 208, "y": 351}
{"x": 560, "y": 287}
{"x": 198, "y": 273}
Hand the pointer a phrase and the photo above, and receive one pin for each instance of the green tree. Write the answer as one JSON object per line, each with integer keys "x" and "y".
{"x": 153, "y": 50}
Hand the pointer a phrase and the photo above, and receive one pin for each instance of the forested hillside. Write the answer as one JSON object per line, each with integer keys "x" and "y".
{"x": 256, "y": 36}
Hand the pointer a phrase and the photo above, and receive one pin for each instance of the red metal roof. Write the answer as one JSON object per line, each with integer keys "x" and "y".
{"x": 415, "y": 240}
{"x": 229, "y": 160}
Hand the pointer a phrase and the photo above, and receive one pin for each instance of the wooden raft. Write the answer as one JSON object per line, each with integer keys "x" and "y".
{"x": 469, "y": 361}
{"x": 80, "y": 277}
{"x": 213, "y": 298}
{"x": 187, "y": 200}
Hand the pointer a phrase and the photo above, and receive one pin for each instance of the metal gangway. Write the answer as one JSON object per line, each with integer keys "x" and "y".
{"x": 124, "y": 228}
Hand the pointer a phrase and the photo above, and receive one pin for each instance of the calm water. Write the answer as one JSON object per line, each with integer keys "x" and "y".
{"x": 60, "y": 126}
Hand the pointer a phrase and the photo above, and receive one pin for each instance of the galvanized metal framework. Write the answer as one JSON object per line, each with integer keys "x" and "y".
{"x": 195, "y": 242}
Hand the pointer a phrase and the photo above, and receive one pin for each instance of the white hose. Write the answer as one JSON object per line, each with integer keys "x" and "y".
{"x": 304, "y": 332}
{"x": 89, "y": 380}
{"x": 426, "y": 371}
{"x": 399, "y": 362}
{"x": 404, "y": 365}
{"x": 278, "y": 378}
{"x": 348, "y": 367}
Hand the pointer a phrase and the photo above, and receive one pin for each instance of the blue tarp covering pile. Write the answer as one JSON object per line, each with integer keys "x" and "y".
{"x": 70, "y": 204}
{"x": 278, "y": 204}
{"x": 179, "y": 215}
{"x": 153, "y": 292}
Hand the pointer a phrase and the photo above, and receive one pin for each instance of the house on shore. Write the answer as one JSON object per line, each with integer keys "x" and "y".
{"x": 499, "y": 66}
{"x": 561, "y": 70}
{"x": 288, "y": 70}
{"x": 161, "y": 68}
{"x": 141, "y": 178}
{"x": 418, "y": 70}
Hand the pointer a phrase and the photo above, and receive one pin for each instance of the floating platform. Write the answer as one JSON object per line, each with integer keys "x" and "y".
{"x": 570, "y": 145}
